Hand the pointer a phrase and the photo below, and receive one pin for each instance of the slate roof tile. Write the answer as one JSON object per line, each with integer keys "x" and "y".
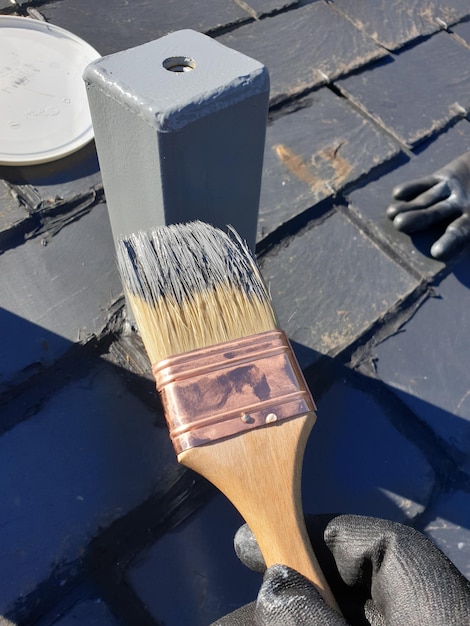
{"x": 429, "y": 375}
{"x": 374, "y": 483}
{"x": 113, "y": 26}
{"x": 314, "y": 152}
{"x": 462, "y": 31}
{"x": 34, "y": 274}
{"x": 391, "y": 24}
{"x": 450, "y": 528}
{"x": 434, "y": 76}
{"x": 85, "y": 459}
{"x": 395, "y": 23}
{"x": 12, "y": 212}
{"x": 92, "y": 612}
{"x": 42, "y": 187}
{"x": 451, "y": 11}
{"x": 213, "y": 589}
{"x": 264, "y": 7}
{"x": 325, "y": 46}
{"x": 324, "y": 300}
{"x": 24, "y": 3}
{"x": 39, "y": 349}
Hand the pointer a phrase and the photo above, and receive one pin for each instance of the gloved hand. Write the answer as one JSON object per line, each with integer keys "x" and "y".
{"x": 426, "y": 201}
{"x": 381, "y": 573}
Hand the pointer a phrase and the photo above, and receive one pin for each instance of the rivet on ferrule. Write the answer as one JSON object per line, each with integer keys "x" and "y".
{"x": 217, "y": 392}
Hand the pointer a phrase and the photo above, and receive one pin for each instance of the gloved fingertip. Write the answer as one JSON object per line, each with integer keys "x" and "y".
{"x": 399, "y": 191}
{"x": 276, "y": 577}
{"x": 392, "y": 210}
{"x": 247, "y": 549}
{"x": 438, "y": 250}
{"x": 281, "y": 582}
{"x": 286, "y": 597}
{"x": 403, "y": 223}
{"x": 445, "y": 246}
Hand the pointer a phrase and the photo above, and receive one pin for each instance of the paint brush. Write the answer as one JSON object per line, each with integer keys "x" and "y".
{"x": 237, "y": 406}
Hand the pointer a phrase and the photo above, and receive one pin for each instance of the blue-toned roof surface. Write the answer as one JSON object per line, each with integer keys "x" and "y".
{"x": 99, "y": 525}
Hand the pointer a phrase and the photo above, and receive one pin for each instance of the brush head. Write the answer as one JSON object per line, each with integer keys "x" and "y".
{"x": 191, "y": 286}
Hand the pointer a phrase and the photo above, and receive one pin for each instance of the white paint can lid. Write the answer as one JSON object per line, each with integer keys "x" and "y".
{"x": 44, "y": 113}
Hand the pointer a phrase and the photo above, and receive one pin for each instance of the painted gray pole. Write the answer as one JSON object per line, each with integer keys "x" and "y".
{"x": 180, "y": 128}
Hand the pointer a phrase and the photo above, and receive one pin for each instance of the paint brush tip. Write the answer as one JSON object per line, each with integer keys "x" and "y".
{"x": 191, "y": 286}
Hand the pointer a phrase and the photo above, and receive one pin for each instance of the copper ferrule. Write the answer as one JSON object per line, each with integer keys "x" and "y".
{"x": 223, "y": 390}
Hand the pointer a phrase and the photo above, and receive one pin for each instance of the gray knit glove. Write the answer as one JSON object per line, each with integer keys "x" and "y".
{"x": 381, "y": 573}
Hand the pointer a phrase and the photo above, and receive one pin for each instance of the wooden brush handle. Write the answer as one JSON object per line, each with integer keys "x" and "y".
{"x": 260, "y": 473}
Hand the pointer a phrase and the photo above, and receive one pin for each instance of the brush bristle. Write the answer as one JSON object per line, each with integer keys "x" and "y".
{"x": 191, "y": 286}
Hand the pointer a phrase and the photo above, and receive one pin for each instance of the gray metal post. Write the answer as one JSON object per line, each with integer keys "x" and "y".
{"x": 180, "y": 128}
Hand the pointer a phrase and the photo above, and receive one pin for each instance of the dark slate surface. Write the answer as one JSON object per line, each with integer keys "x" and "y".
{"x": 294, "y": 66}
{"x": 313, "y": 152}
{"x": 435, "y": 76}
{"x": 392, "y": 23}
{"x": 39, "y": 348}
{"x": 93, "y": 498}
{"x": 351, "y": 460}
{"x": 6, "y": 7}
{"x": 12, "y": 213}
{"x": 202, "y": 578}
{"x": 85, "y": 459}
{"x": 431, "y": 376}
{"x": 68, "y": 180}
{"x": 118, "y": 25}
{"x": 32, "y": 276}
{"x": 451, "y": 11}
{"x": 90, "y": 612}
{"x": 450, "y": 529}
{"x": 462, "y": 31}
{"x": 371, "y": 200}
{"x": 26, "y": 3}
{"x": 324, "y": 300}
{"x": 264, "y": 7}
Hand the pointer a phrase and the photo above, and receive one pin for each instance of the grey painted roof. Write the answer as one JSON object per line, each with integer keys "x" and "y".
{"x": 99, "y": 524}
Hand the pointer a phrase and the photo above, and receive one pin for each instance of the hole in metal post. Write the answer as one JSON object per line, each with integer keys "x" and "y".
{"x": 179, "y": 64}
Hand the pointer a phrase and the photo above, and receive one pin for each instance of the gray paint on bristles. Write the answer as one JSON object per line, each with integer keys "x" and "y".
{"x": 192, "y": 285}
